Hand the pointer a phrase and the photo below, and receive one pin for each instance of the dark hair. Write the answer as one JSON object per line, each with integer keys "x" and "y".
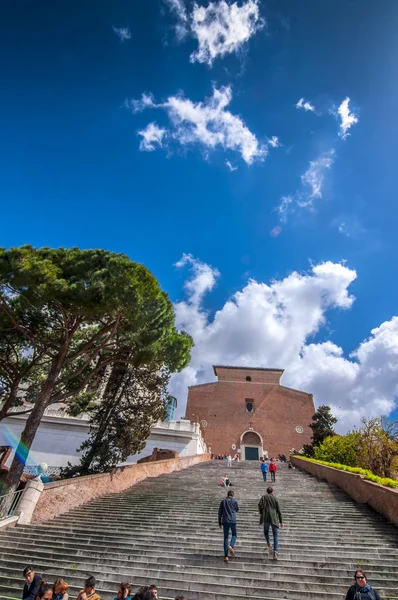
{"x": 28, "y": 570}
{"x": 43, "y": 589}
{"x": 144, "y": 593}
{"x": 125, "y": 587}
{"x": 152, "y": 587}
{"x": 90, "y": 582}
{"x": 61, "y": 583}
{"x": 270, "y": 490}
{"x": 180, "y": 598}
{"x": 361, "y": 572}
{"x": 231, "y": 493}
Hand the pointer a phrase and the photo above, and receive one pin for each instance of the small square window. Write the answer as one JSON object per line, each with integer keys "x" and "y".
{"x": 248, "y": 378}
{"x": 249, "y": 405}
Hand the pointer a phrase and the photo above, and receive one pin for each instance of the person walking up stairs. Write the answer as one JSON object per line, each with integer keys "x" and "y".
{"x": 270, "y": 516}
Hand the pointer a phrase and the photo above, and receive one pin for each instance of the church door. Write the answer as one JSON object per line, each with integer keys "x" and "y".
{"x": 251, "y": 453}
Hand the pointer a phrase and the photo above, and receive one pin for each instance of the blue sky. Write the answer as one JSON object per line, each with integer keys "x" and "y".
{"x": 75, "y": 171}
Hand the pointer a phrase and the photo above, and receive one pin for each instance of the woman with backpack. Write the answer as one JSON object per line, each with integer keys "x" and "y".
{"x": 361, "y": 590}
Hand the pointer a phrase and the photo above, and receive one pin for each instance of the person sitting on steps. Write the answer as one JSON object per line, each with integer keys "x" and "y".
{"x": 32, "y": 584}
{"x": 227, "y": 520}
{"x": 89, "y": 592}
{"x": 270, "y": 516}
{"x": 124, "y": 592}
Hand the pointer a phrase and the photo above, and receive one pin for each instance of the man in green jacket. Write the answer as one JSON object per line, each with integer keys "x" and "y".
{"x": 270, "y": 515}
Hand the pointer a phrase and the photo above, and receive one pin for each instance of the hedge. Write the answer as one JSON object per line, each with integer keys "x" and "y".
{"x": 393, "y": 483}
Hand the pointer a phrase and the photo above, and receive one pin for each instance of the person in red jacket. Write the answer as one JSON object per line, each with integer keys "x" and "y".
{"x": 272, "y": 469}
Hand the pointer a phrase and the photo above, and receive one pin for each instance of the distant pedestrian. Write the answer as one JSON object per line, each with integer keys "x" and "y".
{"x": 229, "y": 460}
{"x": 227, "y": 520}
{"x": 272, "y": 469}
{"x": 264, "y": 470}
{"x": 180, "y": 598}
{"x": 32, "y": 584}
{"x": 270, "y": 516}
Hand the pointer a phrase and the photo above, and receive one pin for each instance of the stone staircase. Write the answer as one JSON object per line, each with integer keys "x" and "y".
{"x": 165, "y": 531}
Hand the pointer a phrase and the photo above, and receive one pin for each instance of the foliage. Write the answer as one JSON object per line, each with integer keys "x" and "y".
{"x": 393, "y": 483}
{"x": 378, "y": 451}
{"x": 65, "y": 316}
{"x": 340, "y": 448}
{"x": 120, "y": 423}
{"x": 322, "y": 427}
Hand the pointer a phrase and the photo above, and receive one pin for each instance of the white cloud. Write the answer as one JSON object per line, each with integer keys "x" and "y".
{"x": 208, "y": 124}
{"x": 314, "y": 176}
{"x": 305, "y": 105}
{"x": 312, "y": 182}
{"x": 222, "y": 28}
{"x": 123, "y": 33}
{"x": 348, "y": 119}
{"x": 152, "y": 136}
{"x": 136, "y": 106}
{"x": 284, "y": 206}
{"x": 230, "y": 166}
{"x": 272, "y": 325}
{"x": 178, "y": 9}
{"x": 274, "y": 142}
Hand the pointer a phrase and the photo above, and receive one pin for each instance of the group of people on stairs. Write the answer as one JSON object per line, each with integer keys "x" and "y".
{"x": 36, "y": 588}
{"x": 271, "y": 518}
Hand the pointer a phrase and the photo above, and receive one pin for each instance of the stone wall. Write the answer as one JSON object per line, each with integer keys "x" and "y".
{"x": 383, "y": 499}
{"x": 61, "y": 496}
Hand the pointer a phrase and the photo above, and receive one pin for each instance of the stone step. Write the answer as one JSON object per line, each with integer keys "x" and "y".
{"x": 164, "y": 531}
{"x": 177, "y": 542}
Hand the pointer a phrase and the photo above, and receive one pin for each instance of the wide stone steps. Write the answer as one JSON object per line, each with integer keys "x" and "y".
{"x": 165, "y": 531}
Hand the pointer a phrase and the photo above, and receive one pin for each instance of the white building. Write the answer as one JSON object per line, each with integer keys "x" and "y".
{"x": 59, "y": 436}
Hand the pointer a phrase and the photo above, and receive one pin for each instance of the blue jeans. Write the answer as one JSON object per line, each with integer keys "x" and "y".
{"x": 227, "y": 527}
{"x": 275, "y": 535}
{"x": 265, "y": 475}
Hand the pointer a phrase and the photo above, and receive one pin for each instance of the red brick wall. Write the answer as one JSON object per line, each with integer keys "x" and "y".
{"x": 257, "y": 376}
{"x": 277, "y": 412}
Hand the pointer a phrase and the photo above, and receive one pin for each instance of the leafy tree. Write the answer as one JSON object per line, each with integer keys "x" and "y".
{"x": 120, "y": 423}
{"x": 65, "y": 316}
{"x": 341, "y": 449}
{"x": 322, "y": 427}
{"x": 379, "y": 447}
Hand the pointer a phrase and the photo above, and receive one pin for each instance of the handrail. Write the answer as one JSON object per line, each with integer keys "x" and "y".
{"x": 8, "y": 503}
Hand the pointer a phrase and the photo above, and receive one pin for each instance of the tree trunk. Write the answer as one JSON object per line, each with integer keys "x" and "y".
{"x": 25, "y": 443}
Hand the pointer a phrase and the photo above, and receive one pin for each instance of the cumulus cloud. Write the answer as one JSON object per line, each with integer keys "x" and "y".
{"x": 152, "y": 136}
{"x": 123, "y": 33}
{"x": 273, "y": 325}
{"x": 312, "y": 182}
{"x": 222, "y": 28}
{"x": 347, "y": 118}
{"x": 305, "y": 105}
{"x": 207, "y": 124}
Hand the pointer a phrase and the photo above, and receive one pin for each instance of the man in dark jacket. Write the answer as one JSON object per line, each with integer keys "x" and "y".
{"x": 270, "y": 515}
{"x": 227, "y": 519}
{"x": 32, "y": 584}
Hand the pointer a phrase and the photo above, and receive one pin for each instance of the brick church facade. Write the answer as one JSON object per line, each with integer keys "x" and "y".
{"x": 248, "y": 411}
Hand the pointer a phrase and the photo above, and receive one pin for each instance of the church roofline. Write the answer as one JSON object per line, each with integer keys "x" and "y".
{"x": 215, "y": 367}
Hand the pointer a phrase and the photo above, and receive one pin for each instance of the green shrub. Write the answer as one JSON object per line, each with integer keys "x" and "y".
{"x": 342, "y": 449}
{"x": 386, "y": 481}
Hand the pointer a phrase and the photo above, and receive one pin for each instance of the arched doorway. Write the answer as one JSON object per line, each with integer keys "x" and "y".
{"x": 251, "y": 445}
